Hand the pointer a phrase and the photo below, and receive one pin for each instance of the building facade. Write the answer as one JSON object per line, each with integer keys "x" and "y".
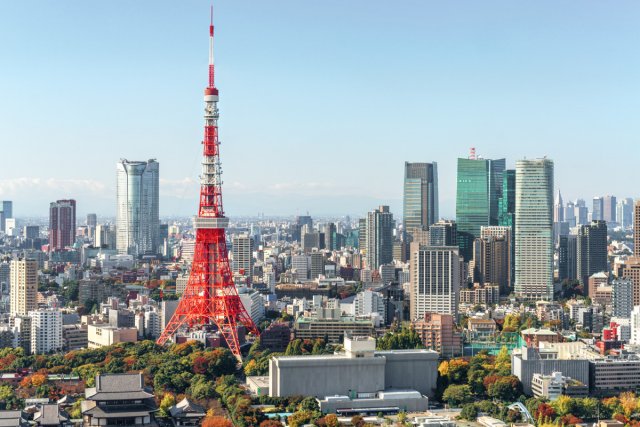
{"x": 62, "y": 224}
{"x": 534, "y": 229}
{"x": 24, "y": 286}
{"x": 137, "y": 214}
{"x": 420, "y": 195}
{"x": 435, "y": 278}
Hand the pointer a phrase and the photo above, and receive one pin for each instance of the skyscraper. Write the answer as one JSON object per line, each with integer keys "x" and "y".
{"x": 507, "y": 201}
{"x": 558, "y": 208}
{"x": 609, "y": 209}
{"x": 492, "y": 257}
{"x": 435, "y": 277}
{"x": 5, "y": 212}
{"x": 479, "y": 186}
{"x": 443, "y": 233}
{"x": 242, "y": 249}
{"x": 592, "y": 251}
{"x": 534, "y": 229}
{"x": 598, "y": 208}
{"x": 624, "y": 212}
{"x": 137, "y": 215}
{"x": 24, "y": 286}
{"x": 636, "y": 228}
{"x": 379, "y": 237}
{"x": 62, "y": 224}
{"x": 420, "y": 195}
{"x": 568, "y": 257}
{"x": 581, "y": 212}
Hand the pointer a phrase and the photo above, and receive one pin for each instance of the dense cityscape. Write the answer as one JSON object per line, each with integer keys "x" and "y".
{"x": 522, "y": 310}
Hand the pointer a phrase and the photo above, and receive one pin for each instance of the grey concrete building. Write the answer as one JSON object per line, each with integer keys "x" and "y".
{"x": 359, "y": 372}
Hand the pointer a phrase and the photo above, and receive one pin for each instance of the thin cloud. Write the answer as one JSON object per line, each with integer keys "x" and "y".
{"x": 15, "y": 186}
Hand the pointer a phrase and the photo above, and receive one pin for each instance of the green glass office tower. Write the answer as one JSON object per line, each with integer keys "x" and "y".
{"x": 478, "y": 191}
{"x": 420, "y": 197}
{"x": 507, "y": 211}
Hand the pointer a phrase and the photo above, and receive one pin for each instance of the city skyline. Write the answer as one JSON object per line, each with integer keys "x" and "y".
{"x": 449, "y": 84}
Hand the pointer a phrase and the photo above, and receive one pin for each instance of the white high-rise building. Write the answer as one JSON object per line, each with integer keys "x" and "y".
{"x": 137, "y": 214}
{"x": 368, "y": 302}
{"x": 300, "y": 263}
{"x": 534, "y": 229}
{"x": 46, "y": 331}
{"x": 253, "y": 302}
{"x": 242, "y": 250}
{"x": 436, "y": 274}
{"x": 24, "y": 286}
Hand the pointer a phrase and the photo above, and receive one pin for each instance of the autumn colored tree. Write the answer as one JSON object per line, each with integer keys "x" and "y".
{"x": 216, "y": 422}
{"x": 271, "y": 423}
{"x": 629, "y": 403}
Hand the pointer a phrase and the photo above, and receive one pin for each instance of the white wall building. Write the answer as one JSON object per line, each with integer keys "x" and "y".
{"x": 46, "y": 331}
{"x": 436, "y": 274}
{"x": 534, "y": 229}
{"x": 368, "y": 302}
{"x": 253, "y": 302}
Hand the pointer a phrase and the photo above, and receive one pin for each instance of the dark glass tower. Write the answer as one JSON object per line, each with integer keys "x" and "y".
{"x": 420, "y": 197}
{"x": 479, "y": 188}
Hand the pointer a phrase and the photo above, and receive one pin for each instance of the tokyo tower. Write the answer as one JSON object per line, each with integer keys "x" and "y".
{"x": 210, "y": 297}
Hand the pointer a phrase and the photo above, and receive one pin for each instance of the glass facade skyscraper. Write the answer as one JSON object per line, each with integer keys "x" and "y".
{"x": 479, "y": 187}
{"x": 534, "y": 229}
{"x": 420, "y": 199}
{"x": 137, "y": 216}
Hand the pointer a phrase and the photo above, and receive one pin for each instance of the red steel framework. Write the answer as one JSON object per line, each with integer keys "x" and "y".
{"x": 210, "y": 297}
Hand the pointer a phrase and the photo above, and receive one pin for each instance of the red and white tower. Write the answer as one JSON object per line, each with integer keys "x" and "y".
{"x": 210, "y": 297}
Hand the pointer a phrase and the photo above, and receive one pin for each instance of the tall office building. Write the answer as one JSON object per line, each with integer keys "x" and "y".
{"x": 558, "y": 208}
{"x": 379, "y": 237}
{"x": 5, "y": 277}
{"x": 592, "y": 251}
{"x": 609, "y": 209}
{"x": 597, "y": 210}
{"x": 622, "y": 297}
{"x": 568, "y": 257}
{"x": 24, "y": 286}
{"x": 534, "y": 229}
{"x": 443, "y": 233}
{"x": 5, "y": 212}
{"x": 137, "y": 215}
{"x": 104, "y": 237}
{"x": 242, "y": 250}
{"x": 624, "y": 212}
{"x": 570, "y": 214}
{"x": 581, "y": 212}
{"x": 479, "y": 187}
{"x": 435, "y": 278}
{"x": 420, "y": 195}
{"x": 507, "y": 201}
{"x": 92, "y": 220}
{"x": 492, "y": 257}
{"x": 62, "y": 224}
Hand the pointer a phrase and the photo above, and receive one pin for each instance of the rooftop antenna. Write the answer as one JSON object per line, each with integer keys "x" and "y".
{"x": 472, "y": 153}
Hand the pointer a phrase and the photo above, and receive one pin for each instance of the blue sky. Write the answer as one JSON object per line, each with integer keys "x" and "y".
{"x": 321, "y": 101}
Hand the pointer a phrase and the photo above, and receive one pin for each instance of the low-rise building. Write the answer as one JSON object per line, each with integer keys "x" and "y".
{"x": 187, "y": 414}
{"x": 554, "y": 385}
{"x": 329, "y": 324}
{"x": 360, "y": 372}
{"x": 119, "y": 400}
{"x": 103, "y": 335}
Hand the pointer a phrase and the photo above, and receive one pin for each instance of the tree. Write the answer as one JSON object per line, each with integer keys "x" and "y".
{"x": 506, "y": 389}
{"x": 469, "y": 412}
{"x": 168, "y": 400}
{"x": 308, "y": 404}
{"x": 628, "y": 402}
{"x": 564, "y": 405}
{"x": 357, "y": 421}
{"x": 216, "y": 422}
{"x": 457, "y": 394}
{"x": 406, "y": 339}
{"x": 271, "y": 423}
{"x": 331, "y": 420}
{"x": 299, "y": 418}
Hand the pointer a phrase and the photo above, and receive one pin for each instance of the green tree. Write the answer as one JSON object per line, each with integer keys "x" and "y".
{"x": 300, "y": 418}
{"x": 469, "y": 412}
{"x": 457, "y": 394}
{"x": 168, "y": 400}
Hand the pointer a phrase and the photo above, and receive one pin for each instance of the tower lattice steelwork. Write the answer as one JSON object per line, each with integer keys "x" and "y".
{"x": 210, "y": 297}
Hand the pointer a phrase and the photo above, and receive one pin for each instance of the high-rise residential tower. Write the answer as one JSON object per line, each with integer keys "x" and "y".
{"x": 242, "y": 249}
{"x": 137, "y": 215}
{"x": 591, "y": 251}
{"x": 479, "y": 187}
{"x": 420, "y": 195}
{"x": 62, "y": 224}
{"x": 24, "y": 286}
{"x": 435, "y": 278}
{"x": 507, "y": 201}
{"x": 379, "y": 237}
{"x": 534, "y": 229}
